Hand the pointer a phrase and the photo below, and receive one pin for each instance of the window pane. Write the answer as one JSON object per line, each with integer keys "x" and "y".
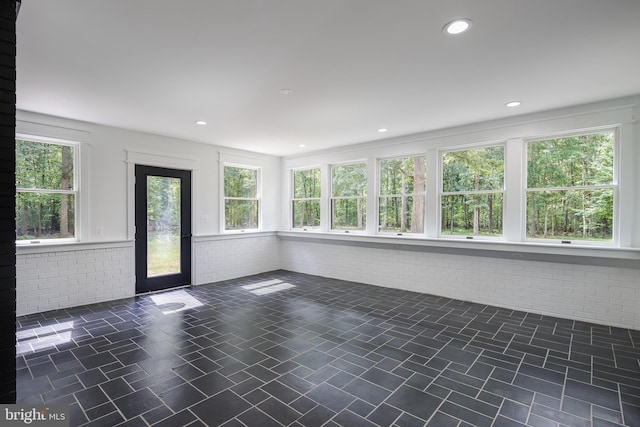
{"x": 472, "y": 215}
{"x": 571, "y": 161}
{"x": 348, "y": 214}
{"x": 469, "y": 170}
{"x": 306, "y": 184}
{"x": 44, "y": 216}
{"x": 402, "y": 176}
{"x": 570, "y": 215}
{"x": 402, "y": 214}
{"x": 44, "y": 166}
{"x": 306, "y": 213}
{"x": 163, "y": 225}
{"x": 349, "y": 180}
{"x": 240, "y": 182}
{"x": 240, "y": 214}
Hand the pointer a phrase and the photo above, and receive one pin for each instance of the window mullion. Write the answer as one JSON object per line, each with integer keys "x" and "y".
{"x": 514, "y": 179}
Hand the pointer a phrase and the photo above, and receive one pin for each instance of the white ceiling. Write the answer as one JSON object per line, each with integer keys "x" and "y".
{"x": 354, "y": 65}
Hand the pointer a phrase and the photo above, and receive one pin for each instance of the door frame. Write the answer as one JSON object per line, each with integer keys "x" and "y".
{"x": 132, "y": 158}
{"x": 145, "y": 284}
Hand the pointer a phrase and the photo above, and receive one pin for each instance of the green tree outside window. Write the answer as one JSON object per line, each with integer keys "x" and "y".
{"x": 45, "y": 190}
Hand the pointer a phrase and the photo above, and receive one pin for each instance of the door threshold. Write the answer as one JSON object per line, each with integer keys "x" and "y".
{"x": 173, "y": 288}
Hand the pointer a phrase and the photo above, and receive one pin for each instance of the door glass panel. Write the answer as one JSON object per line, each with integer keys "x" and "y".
{"x": 163, "y": 225}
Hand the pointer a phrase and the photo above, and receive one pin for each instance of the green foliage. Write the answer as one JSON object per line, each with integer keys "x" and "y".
{"x": 163, "y": 204}
{"x": 306, "y": 194}
{"x": 349, "y": 180}
{"x": 473, "y": 170}
{"x": 349, "y": 188}
{"x": 163, "y": 225}
{"x": 240, "y": 182}
{"x": 479, "y": 175}
{"x": 306, "y": 184}
{"x": 241, "y": 206}
{"x": 44, "y": 166}
{"x": 472, "y": 214}
{"x": 306, "y": 213}
{"x": 570, "y": 162}
{"x": 349, "y": 214}
{"x": 163, "y": 253}
{"x": 568, "y": 197}
{"x": 44, "y": 172}
{"x": 38, "y": 215}
{"x": 240, "y": 214}
{"x": 402, "y": 189}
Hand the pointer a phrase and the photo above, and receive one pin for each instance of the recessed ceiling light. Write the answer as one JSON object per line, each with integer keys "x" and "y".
{"x": 513, "y": 104}
{"x": 201, "y": 122}
{"x": 301, "y": 145}
{"x": 382, "y": 130}
{"x": 286, "y": 91}
{"x": 457, "y": 26}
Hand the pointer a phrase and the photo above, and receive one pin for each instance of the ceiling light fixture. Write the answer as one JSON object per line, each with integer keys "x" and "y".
{"x": 302, "y": 146}
{"x": 382, "y": 130}
{"x": 513, "y": 104}
{"x": 201, "y": 123}
{"x": 286, "y": 91}
{"x": 457, "y": 26}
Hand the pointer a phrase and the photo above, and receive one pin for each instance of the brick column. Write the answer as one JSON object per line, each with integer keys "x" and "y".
{"x": 7, "y": 201}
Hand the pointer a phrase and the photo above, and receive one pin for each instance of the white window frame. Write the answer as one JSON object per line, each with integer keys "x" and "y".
{"x": 77, "y": 210}
{"x": 331, "y": 197}
{"x": 614, "y": 186}
{"x": 441, "y": 193}
{"x": 293, "y": 199}
{"x": 379, "y": 196}
{"x": 258, "y": 197}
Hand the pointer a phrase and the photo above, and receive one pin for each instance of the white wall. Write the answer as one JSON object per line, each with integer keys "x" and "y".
{"x": 56, "y": 277}
{"x": 621, "y": 114}
{"x": 106, "y": 199}
{"x": 607, "y": 291}
{"x": 73, "y": 275}
{"x": 606, "y": 295}
{"x": 235, "y": 257}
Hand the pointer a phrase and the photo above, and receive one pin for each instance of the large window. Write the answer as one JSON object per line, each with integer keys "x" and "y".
{"x": 570, "y": 188}
{"x": 46, "y": 190}
{"x": 241, "y": 198}
{"x": 349, "y": 197}
{"x": 472, "y": 192}
{"x": 402, "y": 195}
{"x": 305, "y": 204}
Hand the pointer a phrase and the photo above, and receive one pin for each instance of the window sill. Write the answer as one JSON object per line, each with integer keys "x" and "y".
{"x": 44, "y": 247}
{"x": 233, "y": 235}
{"x": 528, "y": 251}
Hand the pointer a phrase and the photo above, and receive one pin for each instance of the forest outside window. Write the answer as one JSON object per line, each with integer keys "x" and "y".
{"x": 471, "y": 202}
{"x": 46, "y": 190}
{"x": 305, "y": 204}
{"x": 241, "y": 198}
{"x": 349, "y": 197}
{"x": 570, "y": 188}
{"x": 402, "y": 189}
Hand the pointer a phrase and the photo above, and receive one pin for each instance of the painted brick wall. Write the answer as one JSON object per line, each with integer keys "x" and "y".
{"x": 7, "y": 195}
{"x": 224, "y": 258}
{"x": 605, "y": 295}
{"x": 53, "y": 280}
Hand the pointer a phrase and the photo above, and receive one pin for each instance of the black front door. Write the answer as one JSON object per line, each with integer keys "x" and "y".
{"x": 163, "y": 228}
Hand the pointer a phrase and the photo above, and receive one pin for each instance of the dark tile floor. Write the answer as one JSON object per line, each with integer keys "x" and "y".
{"x": 291, "y": 349}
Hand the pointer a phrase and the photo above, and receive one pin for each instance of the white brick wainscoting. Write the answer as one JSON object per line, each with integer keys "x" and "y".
{"x": 230, "y": 256}
{"x": 599, "y": 294}
{"x": 60, "y": 276}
